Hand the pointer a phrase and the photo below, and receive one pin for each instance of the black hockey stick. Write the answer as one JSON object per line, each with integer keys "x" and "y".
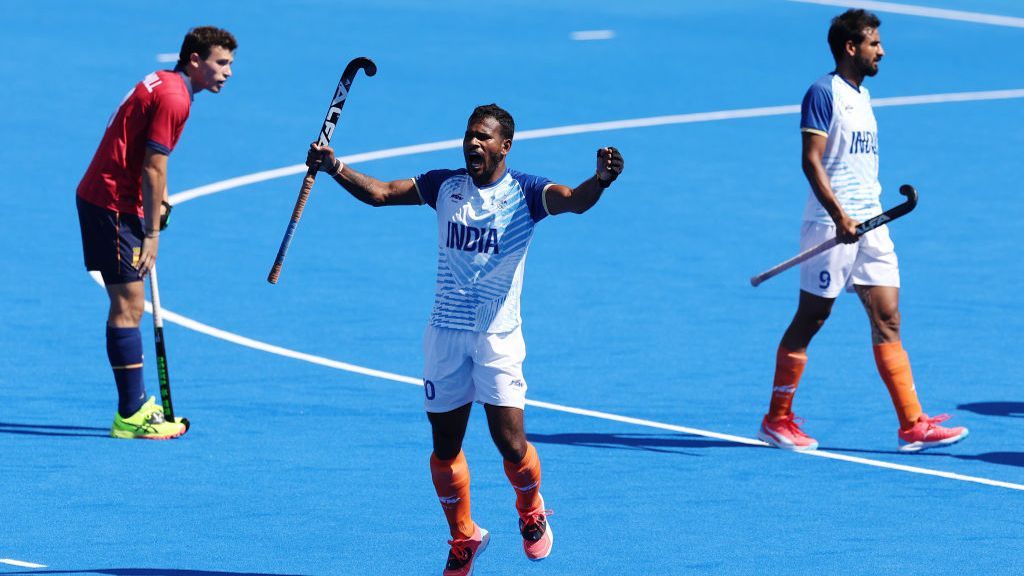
{"x": 862, "y": 228}
{"x": 161, "y": 351}
{"x": 326, "y": 131}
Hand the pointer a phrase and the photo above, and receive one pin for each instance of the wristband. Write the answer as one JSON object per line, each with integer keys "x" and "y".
{"x": 337, "y": 168}
{"x": 152, "y": 233}
{"x": 165, "y": 218}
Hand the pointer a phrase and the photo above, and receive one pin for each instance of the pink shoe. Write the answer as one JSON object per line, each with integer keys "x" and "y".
{"x": 928, "y": 434}
{"x": 464, "y": 552}
{"x": 537, "y": 535}
{"x": 785, "y": 433}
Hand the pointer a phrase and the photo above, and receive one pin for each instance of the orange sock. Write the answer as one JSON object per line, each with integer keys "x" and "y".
{"x": 451, "y": 480}
{"x": 894, "y": 367}
{"x": 789, "y": 366}
{"x": 525, "y": 478}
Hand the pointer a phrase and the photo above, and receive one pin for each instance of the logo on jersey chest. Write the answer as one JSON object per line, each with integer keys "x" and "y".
{"x": 471, "y": 238}
{"x": 863, "y": 142}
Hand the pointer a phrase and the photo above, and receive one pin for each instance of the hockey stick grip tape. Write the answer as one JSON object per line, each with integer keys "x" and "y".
{"x": 300, "y": 205}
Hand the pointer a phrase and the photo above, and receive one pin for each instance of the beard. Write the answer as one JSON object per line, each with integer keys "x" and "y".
{"x": 867, "y": 67}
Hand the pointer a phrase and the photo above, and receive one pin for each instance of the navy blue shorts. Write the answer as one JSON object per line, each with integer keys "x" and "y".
{"x": 111, "y": 242}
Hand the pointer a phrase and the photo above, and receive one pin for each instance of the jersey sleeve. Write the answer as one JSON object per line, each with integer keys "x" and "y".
{"x": 816, "y": 110}
{"x": 533, "y": 190}
{"x": 428, "y": 185}
{"x": 167, "y": 122}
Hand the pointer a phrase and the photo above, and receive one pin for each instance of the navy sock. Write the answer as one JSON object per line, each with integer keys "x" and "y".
{"x": 124, "y": 349}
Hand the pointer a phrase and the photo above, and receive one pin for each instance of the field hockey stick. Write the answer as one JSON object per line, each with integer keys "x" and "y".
{"x": 862, "y": 228}
{"x": 161, "y": 351}
{"x": 326, "y": 131}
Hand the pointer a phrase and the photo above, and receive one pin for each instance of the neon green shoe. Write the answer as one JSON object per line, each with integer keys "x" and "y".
{"x": 147, "y": 424}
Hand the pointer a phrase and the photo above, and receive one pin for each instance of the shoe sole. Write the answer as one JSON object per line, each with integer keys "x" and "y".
{"x": 919, "y": 446}
{"x": 126, "y": 435}
{"x": 485, "y": 537}
{"x": 551, "y": 544}
{"x": 771, "y": 440}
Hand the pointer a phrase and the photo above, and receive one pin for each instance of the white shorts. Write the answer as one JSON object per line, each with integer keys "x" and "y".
{"x": 871, "y": 261}
{"x": 463, "y": 366}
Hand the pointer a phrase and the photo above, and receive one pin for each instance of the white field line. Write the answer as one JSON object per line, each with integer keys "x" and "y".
{"x": 592, "y": 35}
{"x": 561, "y": 131}
{"x": 21, "y": 563}
{"x": 691, "y": 118}
{"x": 912, "y": 10}
{"x": 167, "y": 57}
{"x": 345, "y": 366}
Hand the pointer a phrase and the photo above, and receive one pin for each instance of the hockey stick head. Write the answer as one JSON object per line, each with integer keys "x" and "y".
{"x": 911, "y": 193}
{"x": 367, "y": 65}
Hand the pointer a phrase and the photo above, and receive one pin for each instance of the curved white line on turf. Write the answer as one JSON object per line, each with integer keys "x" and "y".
{"x": 593, "y": 127}
{"x": 926, "y": 11}
{"x": 562, "y": 131}
{"x": 21, "y": 563}
{"x": 320, "y": 360}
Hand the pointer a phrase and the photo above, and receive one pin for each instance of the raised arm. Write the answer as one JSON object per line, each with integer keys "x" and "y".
{"x": 366, "y": 189}
{"x": 560, "y": 199}
{"x": 813, "y": 151}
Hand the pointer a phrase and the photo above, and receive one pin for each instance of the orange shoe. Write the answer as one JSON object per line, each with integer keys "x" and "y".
{"x": 464, "y": 552}
{"x": 927, "y": 433}
{"x": 785, "y": 433}
{"x": 537, "y": 535}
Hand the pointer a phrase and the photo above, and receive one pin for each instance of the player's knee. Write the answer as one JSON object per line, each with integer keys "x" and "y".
{"x": 447, "y": 447}
{"x": 514, "y": 454}
{"x": 125, "y": 316}
{"x": 512, "y": 448}
{"x": 888, "y": 319}
{"x": 813, "y": 320}
{"x": 819, "y": 319}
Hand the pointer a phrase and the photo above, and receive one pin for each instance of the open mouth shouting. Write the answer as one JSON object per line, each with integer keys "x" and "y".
{"x": 475, "y": 162}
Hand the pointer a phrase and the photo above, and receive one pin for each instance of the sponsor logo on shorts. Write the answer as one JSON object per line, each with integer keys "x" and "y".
{"x": 456, "y": 197}
{"x": 516, "y": 383}
{"x": 136, "y": 252}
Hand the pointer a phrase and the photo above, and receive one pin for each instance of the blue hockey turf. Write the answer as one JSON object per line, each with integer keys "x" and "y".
{"x": 650, "y": 356}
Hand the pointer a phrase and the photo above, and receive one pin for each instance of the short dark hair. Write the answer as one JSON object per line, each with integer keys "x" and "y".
{"x": 849, "y": 26}
{"x": 508, "y": 125}
{"x": 201, "y": 39}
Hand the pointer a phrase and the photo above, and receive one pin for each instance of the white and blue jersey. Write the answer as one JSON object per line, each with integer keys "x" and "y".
{"x": 842, "y": 113}
{"x": 483, "y": 237}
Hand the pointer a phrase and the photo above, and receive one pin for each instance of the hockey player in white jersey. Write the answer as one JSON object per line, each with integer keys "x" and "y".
{"x": 473, "y": 345}
{"x": 840, "y": 161}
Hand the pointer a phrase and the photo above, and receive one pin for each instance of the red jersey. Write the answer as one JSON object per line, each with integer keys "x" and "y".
{"x": 152, "y": 115}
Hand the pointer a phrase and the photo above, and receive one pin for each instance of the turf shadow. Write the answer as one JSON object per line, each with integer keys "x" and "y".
{"x": 664, "y": 443}
{"x": 1003, "y": 458}
{"x": 150, "y": 572}
{"x": 1011, "y": 409}
{"x": 53, "y": 430}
